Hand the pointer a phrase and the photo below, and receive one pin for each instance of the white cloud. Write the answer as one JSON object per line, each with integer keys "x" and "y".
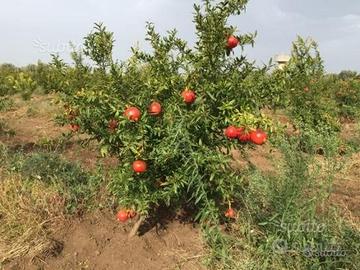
{"x": 334, "y": 24}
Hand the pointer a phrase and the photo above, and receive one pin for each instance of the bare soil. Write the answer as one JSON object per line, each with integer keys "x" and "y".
{"x": 98, "y": 242}
{"x": 31, "y": 126}
{"x": 31, "y": 121}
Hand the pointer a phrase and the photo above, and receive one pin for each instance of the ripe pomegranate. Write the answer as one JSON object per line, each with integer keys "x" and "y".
{"x": 139, "y": 166}
{"x": 258, "y": 136}
{"x": 244, "y": 136}
{"x": 154, "y": 108}
{"x": 122, "y": 216}
{"x": 133, "y": 114}
{"x": 306, "y": 89}
{"x": 232, "y": 42}
{"x": 74, "y": 127}
{"x": 113, "y": 124}
{"x": 230, "y": 213}
{"x": 189, "y": 96}
{"x": 231, "y": 132}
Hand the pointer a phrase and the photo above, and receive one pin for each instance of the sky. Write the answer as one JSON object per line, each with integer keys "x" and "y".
{"x": 30, "y": 30}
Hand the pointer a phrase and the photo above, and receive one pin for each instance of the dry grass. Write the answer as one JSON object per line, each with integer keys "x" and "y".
{"x": 30, "y": 214}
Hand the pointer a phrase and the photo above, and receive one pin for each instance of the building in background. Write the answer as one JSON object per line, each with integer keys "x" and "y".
{"x": 282, "y": 60}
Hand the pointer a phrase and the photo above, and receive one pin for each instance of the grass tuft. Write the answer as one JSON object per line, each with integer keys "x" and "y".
{"x": 30, "y": 215}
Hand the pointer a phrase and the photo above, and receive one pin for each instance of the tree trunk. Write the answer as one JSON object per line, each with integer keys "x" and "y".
{"x": 136, "y": 226}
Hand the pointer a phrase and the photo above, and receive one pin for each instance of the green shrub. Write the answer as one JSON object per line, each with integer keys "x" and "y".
{"x": 284, "y": 221}
{"x": 310, "y": 94}
{"x": 182, "y": 146}
{"x": 348, "y": 98}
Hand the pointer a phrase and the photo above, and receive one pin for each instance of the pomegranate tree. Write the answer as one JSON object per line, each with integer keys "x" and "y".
{"x": 196, "y": 93}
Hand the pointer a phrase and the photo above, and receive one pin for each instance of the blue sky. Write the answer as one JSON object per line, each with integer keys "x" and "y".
{"x": 32, "y": 29}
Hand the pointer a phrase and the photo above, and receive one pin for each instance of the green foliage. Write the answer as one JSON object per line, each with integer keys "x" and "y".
{"x": 58, "y": 73}
{"x": 76, "y": 186}
{"x": 219, "y": 252}
{"x": 283, "y": 217}
{"x": 23, "y": 84}
{"x": 348, "y": 74}
{"x": 310, "y": 96}
{"x": 25, "y": 80}
{"x": 182, "y": 147}
{"x": 99, "y": 46}
{"x": 5, "y": 104}
{"x": 347, "y": 96}
{"x": 305, "y": 61}
{"x": 6, "y": 70}
{"x": 15, "y": 80}
{"x": 188, "y": 157}
{"x": 46, "y": 166}
{"x": 42, "y": 74}
{"x": 290, "y": 200}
